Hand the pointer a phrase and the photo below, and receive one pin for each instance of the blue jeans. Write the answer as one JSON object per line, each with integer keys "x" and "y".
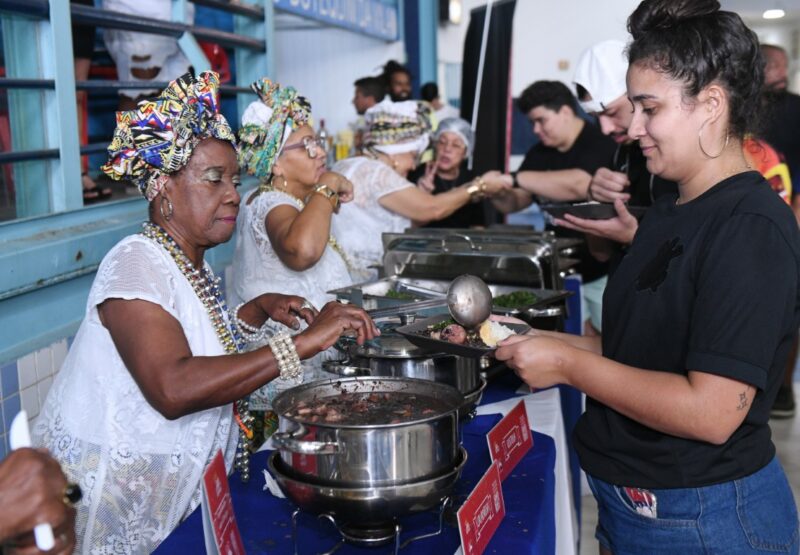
{"x": 755, "y": 514}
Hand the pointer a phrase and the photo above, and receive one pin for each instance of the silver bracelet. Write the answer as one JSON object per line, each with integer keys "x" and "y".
{"x": 285, "y": 354}
{"x": 250, "y": 333}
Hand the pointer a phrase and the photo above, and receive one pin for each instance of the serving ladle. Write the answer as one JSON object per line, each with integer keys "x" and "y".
{"x": 469, "y": 301}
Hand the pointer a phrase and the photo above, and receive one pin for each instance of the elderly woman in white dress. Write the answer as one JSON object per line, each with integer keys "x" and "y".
{"x": 153, "y": 384}
{"x": 284, "y": 241}
{"x": 383, "y": 199}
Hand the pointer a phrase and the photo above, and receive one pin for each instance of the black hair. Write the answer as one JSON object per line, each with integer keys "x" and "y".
{"x": 550, "y": 94}
{"x": 390, "y": 68}
{"x": 693, "y": 41}
{"x": 371, "y": 86}
{"x": 429, "y": 91}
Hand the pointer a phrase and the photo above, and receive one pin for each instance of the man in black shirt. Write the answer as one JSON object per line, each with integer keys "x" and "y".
{"x": 600, "y": 83}
{"x": 560, "y": 167}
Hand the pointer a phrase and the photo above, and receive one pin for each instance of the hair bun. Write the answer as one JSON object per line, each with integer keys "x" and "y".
{"x": 651, "y": 15}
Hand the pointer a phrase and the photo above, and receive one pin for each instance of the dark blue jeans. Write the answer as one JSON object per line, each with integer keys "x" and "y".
{"x": 755, "y": 514}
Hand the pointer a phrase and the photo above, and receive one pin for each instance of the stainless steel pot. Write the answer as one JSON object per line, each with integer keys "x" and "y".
{"x": 368, "y": 505}
{"x": 338, "y": 454}
{"x": 391, "y": 354}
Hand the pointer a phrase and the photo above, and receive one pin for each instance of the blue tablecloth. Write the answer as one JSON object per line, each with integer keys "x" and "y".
{"x": 529, "y": 526}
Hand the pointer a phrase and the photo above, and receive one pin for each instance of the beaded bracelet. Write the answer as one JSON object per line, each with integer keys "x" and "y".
{"x": 251, "y": 334}
{"x": 285, "y": 354}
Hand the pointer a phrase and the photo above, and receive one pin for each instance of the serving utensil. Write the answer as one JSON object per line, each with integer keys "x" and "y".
{"x": 469, "y": 300}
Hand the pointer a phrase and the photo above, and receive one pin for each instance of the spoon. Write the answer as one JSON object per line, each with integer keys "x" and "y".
{"x": 469, "y": 300}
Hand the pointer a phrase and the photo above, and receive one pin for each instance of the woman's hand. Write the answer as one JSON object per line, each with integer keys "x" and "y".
{"x": 338, "y": 183}
{"x": 31, "y": 492}
{"x": 332, "y": 321}
{"x": 286, "y": 308}
{"x": 426, "y": 182}
{"x": 496, "y": 182}
{"x": 540, "y": 361}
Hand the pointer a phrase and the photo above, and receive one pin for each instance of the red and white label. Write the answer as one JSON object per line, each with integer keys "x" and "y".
{"x": 481, "y": 513}
{"x": 219, "y": 522}
{"x": 510, "y": 439}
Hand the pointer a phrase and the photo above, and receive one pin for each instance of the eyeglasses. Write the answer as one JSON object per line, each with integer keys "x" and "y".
{"x": 312, "y": 146}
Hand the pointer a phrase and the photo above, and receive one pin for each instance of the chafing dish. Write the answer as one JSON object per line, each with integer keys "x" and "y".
{"x": 501, "y": 258}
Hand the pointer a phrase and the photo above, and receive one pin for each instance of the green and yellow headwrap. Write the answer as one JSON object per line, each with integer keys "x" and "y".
{"x": 158, "y": 137}
{"x": 267, "y": 124}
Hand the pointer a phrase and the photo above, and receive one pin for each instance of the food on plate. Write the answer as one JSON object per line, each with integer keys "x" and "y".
{"x": 492, "y": 332}
{"x": 454, "y": 333}
{"x": 358, "y": 409}
{"x": 515, "y": 299}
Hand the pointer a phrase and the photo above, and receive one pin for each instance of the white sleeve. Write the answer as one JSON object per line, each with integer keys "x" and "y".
{"x": 135, "y": 268}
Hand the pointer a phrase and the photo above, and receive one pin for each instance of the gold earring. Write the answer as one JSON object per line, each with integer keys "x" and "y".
{"x": 700, "y": 142}
{"x": 170, "y": 209}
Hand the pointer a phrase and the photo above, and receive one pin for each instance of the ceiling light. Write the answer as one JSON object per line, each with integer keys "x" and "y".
{"x": 773, "y": 14}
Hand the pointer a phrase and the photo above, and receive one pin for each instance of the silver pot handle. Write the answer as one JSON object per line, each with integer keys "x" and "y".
{"x": 545, "y": 312}
{"x": 294, "y": 442}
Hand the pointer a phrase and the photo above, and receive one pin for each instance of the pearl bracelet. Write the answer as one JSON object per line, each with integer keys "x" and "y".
{"x": 285, "y": 354}
{"x": 251, "y": 334}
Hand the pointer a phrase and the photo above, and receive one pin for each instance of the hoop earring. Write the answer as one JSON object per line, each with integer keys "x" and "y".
{"x": 168, "y": 215}
{"x": 700, "y": 142}
{"x": 275, "y": 186}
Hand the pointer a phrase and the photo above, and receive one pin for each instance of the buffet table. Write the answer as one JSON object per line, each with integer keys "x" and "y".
{"x": 536, "y": 495}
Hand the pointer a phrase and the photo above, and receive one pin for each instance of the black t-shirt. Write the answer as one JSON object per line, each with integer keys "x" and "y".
{"x": 713, "y": 286}
{"x": 468, "y": 215}
{"x": 592, "y": 150}
{"x": 645, "y": 187}
{"x": 783, "y": 122}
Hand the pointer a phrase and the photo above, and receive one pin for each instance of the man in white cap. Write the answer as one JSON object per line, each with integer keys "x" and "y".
{"x": 600, "y": 85}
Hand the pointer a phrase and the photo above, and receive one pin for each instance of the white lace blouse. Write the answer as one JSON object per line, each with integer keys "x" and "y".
{"x": 361, "y": 222}
{"x": 257, "y": 269}
{"x": 140, "y": 473}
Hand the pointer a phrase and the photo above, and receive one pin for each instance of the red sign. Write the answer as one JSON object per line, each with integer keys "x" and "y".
{"x": 510, "y": 439}
{"x": 481, "y": 513}
{"x": 219, "y": 521}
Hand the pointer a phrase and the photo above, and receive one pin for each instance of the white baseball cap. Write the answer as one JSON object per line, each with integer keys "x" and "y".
{"x": 601, "y": 70}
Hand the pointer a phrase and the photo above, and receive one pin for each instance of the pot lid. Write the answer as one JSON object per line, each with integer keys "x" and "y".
{"x": 389, "y": 344}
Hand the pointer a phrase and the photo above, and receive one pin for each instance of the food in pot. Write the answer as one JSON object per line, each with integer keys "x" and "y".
{"x": 358, "y": 409}
{"x": 515, "y": 299}
{"x": 492, "y": 332}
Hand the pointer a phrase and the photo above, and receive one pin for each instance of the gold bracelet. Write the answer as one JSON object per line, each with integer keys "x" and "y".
{"x": 477, "y": 189}
{"x": 329, "y": 194}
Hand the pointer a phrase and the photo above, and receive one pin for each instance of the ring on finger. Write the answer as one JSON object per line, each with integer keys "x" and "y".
{"x": 308, "y": 305}
{"x": 72, "y": 494}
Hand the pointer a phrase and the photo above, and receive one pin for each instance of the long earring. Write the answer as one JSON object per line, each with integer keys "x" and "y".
{"x": 700, "y": 142}
{"x": 170, "y": 208}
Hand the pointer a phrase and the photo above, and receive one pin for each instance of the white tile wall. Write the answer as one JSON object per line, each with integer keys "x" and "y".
{"x": 36, "y": 372}
{"x": 26, "y": 366}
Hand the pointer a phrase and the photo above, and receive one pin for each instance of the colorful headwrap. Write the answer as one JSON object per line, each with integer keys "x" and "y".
{"x": 158, "y": 137}
{"x": 395, "y": 127}
{"x": 267, "y": 124}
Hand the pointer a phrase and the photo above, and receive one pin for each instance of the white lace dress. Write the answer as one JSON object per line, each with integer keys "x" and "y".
{"x": 360, "y": 223}
{"x": 140, "y": 473}
{"x": 257, "y": 269}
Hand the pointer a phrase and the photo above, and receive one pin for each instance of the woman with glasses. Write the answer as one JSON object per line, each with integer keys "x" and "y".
{"x": 384, "y": 200}
{"x": 452, "y": 143}
{"x": 284, "y": 242}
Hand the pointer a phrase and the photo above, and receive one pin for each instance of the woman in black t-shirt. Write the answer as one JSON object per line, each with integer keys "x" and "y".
{"x": 698, "y": 317}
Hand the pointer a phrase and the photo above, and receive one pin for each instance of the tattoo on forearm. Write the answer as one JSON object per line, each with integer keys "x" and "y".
{"x": 742, "y": 400}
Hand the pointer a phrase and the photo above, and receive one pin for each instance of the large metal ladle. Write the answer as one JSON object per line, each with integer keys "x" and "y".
{"x": 469, "y": 301}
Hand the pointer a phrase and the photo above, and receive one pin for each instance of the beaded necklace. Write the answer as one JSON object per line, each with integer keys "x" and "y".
{"x": 206, "y": 287}
{"x": 332, "y": 242}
